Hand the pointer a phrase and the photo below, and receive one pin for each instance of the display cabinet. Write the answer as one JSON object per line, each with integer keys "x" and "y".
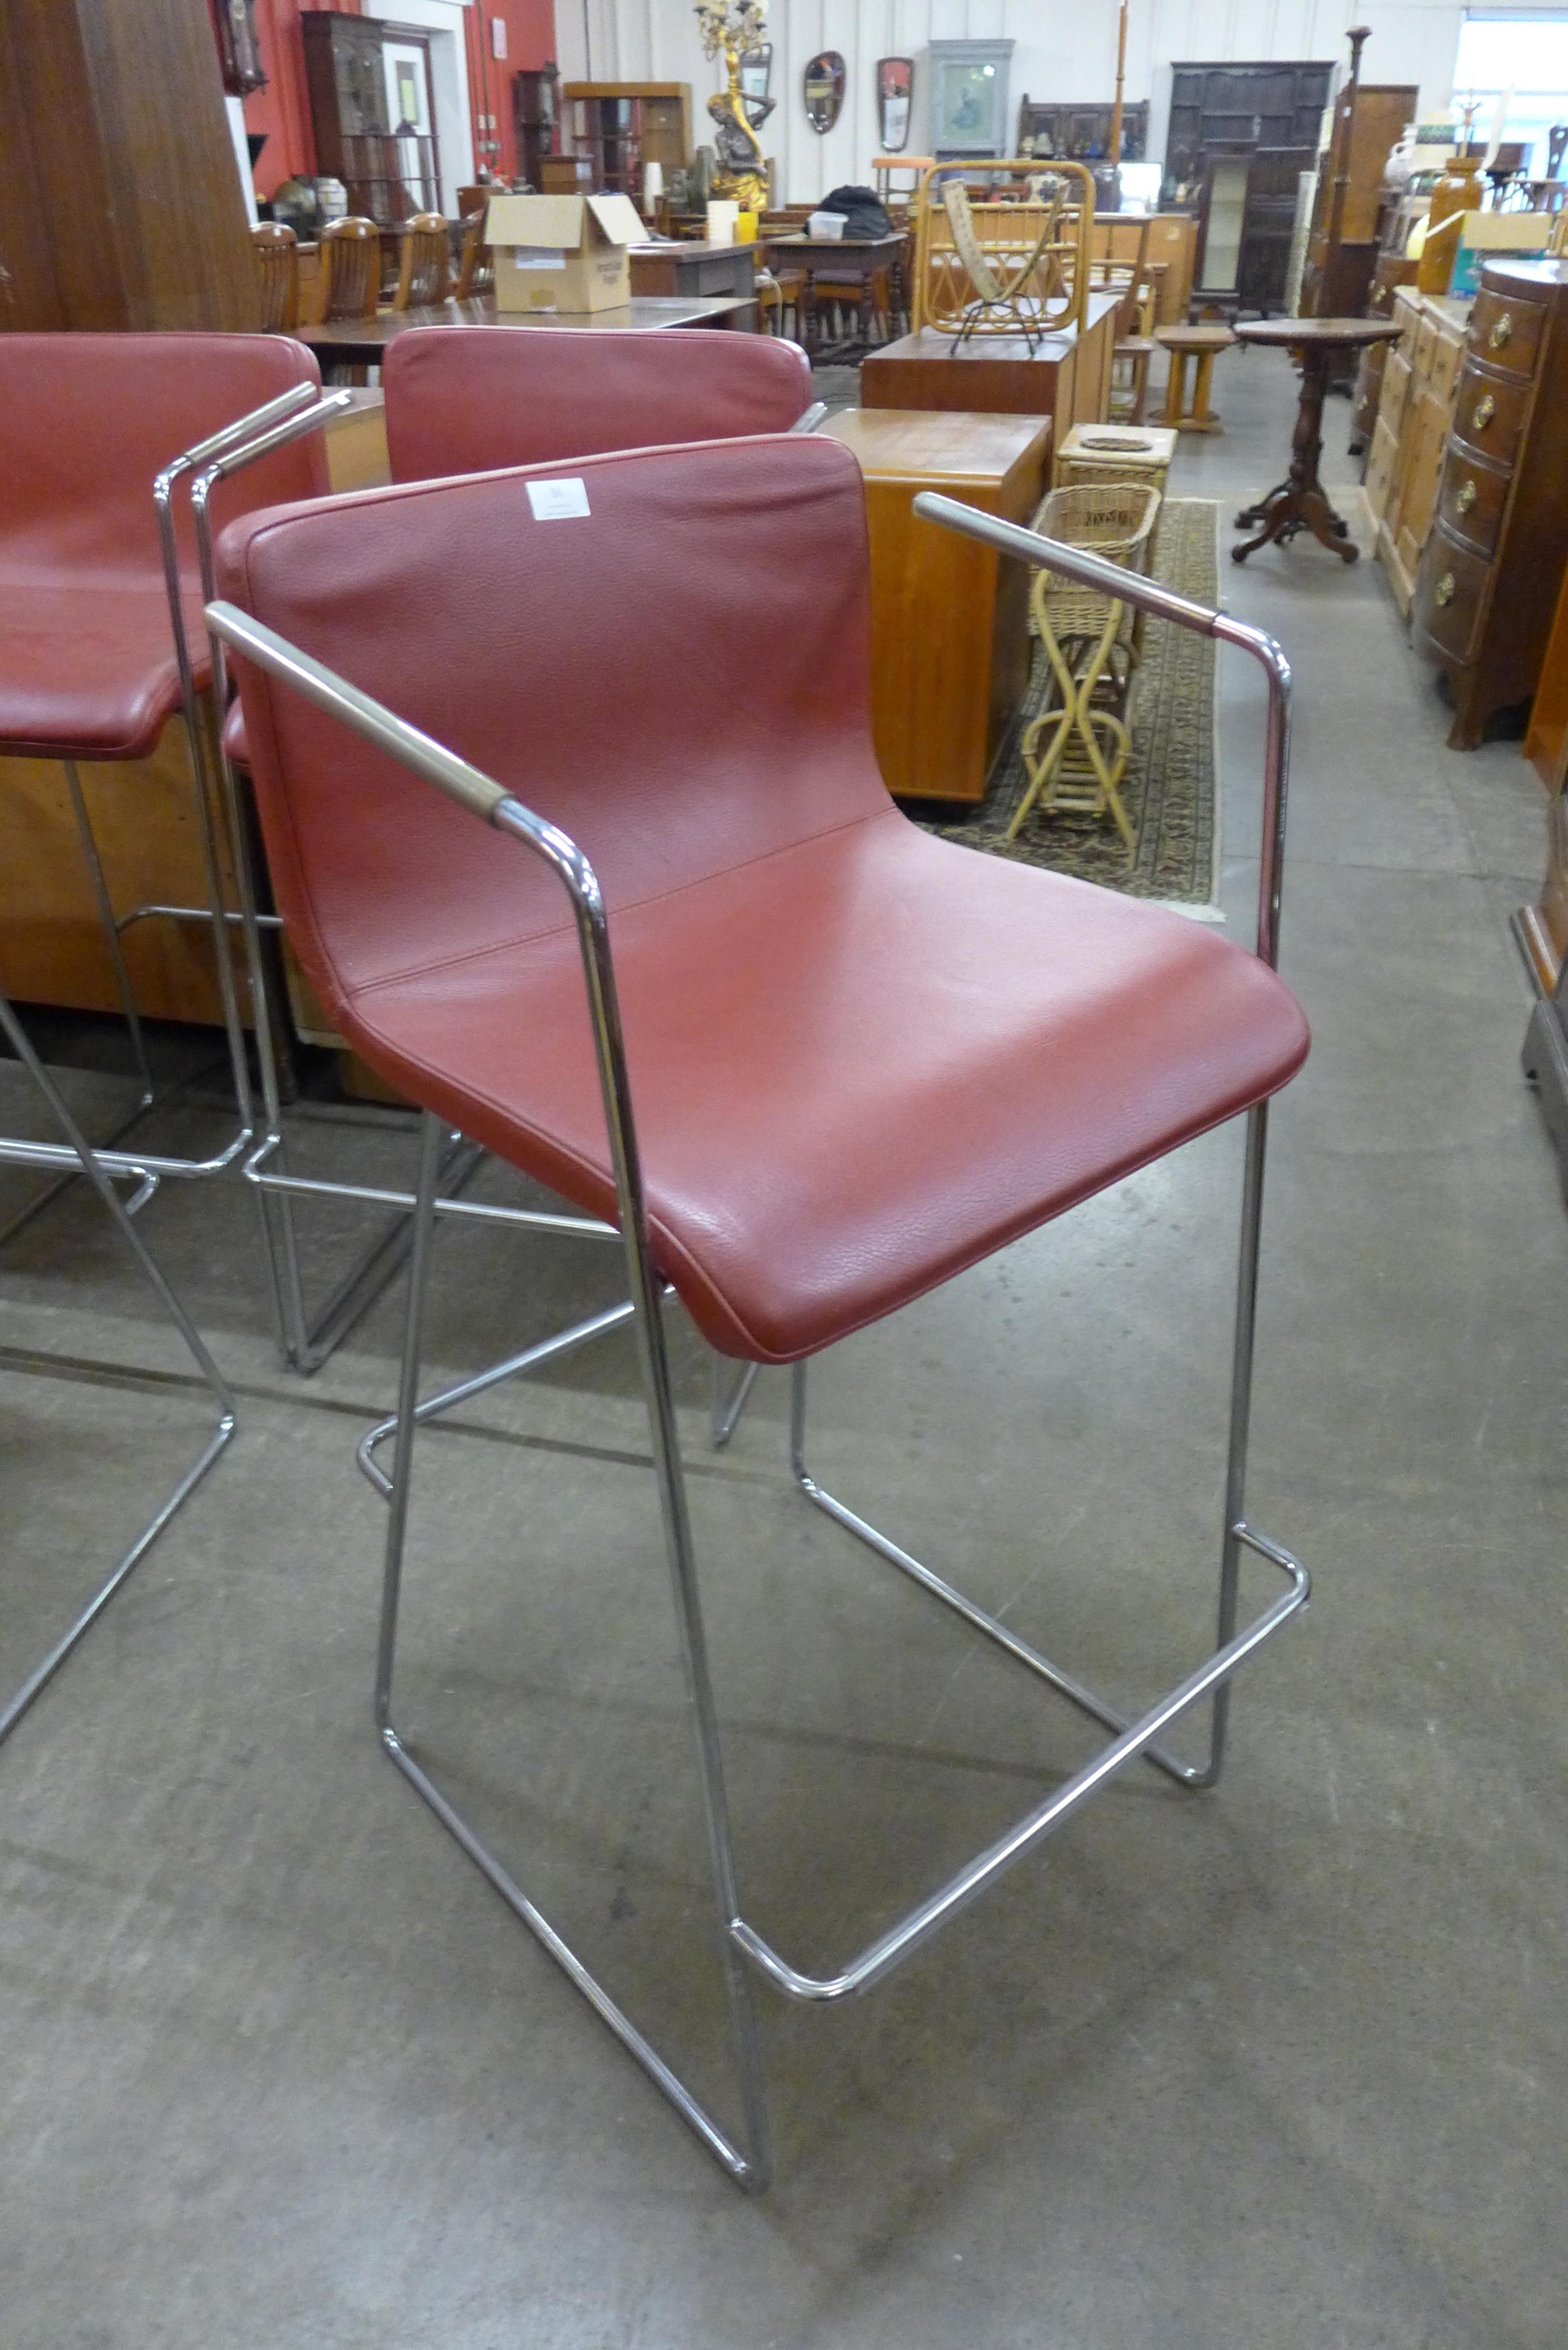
{"x": 619, "y": 125}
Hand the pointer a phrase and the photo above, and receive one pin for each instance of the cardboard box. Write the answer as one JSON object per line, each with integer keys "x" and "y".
{"x": 563, "y": 253}
{"x": 1496, "y": 237}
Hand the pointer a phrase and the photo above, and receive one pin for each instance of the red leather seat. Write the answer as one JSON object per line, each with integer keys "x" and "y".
{"x": 469, "y": 399}
{"x": 88, "y": 667}
{"x": 862, "y": 1057}
{"x": 473, "y": 400}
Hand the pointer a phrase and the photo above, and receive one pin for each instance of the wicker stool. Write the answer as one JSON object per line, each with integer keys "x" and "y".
{"x": 1076, "y": 753}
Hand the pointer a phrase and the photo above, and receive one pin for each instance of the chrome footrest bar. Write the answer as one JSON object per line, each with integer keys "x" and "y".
{"x": 902, "y": 1941}
{"x": 614, "y": 1317}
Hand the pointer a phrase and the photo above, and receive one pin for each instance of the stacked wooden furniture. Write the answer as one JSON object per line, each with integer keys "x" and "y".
{"x": 949, "y": 628}
{"x": 1067, "y": 376}
{"x": 1367, "y": 125}
{"x": 1420, "y": 380}
{"x": 1169, "y": 242}
{"x": 1494, "y": 564}
{"x": 1390, "y": 272}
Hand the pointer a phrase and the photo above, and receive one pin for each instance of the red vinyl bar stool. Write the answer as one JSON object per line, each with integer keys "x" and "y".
{"x": 15, "y": 1036}
{"x": 471, "y": 400}
{"x": 101, "y": 640}
{"x": 862, "y": 1058}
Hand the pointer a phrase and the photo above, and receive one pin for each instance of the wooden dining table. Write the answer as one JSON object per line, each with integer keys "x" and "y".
{"x": 362, "y": 342}
{"x": 859, "y": 260}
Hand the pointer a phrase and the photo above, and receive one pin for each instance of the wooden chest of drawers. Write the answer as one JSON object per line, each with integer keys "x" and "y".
{"x": 1412, "y": 430}
{"x": 1493, "y": 565}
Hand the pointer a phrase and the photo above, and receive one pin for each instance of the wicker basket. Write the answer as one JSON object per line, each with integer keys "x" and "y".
{"x": 1112, "y": 519}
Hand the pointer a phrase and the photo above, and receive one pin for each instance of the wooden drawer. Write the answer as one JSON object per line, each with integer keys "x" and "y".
{"x": 1380, "y": 469}
{"x": 1421, "y": 348}
{"x": 1448, "y": 355}
{"x": 1396, "y": 387}
{"x": 1472, "y": 500}
{"x": 1506, "y": 333}
{"x": 1451, "y": 596}
{"x": 1409, "y": 315}
{"x": 1489, "y": 413}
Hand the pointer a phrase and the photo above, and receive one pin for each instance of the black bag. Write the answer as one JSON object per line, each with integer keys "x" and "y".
{"x": 864, "y": 213}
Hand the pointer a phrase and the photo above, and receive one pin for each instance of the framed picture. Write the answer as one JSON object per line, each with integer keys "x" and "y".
{"x": 895, "y": 86}
{"x": 968, "y": 98}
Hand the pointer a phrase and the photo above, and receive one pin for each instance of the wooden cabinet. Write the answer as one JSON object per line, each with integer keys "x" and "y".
{"x": 120, "y": 202}
{"x": 1239, "y": 138}
{"x": 950, "y": 632}
{"x": 1493, "y": 566}
{"x": 1404, "y": 469}
{"x": 1081, "y": 133}
{"x": 1543, "y": 929}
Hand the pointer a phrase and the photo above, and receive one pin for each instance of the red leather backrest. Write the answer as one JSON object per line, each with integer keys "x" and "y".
{"x": 679, "y": 679}
{"x": 87, "y": 421}
{"x": 469, "y": 399}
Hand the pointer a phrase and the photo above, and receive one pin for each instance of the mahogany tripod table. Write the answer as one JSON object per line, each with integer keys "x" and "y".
{"x": 1300, "y": 502}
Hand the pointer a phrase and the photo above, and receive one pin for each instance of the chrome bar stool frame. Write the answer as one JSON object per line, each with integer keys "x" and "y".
{"x": 743, "y": 1951}
{"x": 91, "y": 1165}
{"x": 215, "y": 835}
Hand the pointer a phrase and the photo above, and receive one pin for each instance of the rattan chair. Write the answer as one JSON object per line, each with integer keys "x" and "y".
{"x": 1076, "y": 751}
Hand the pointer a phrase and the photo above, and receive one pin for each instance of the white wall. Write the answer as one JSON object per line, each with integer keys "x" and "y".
{"x": 1064, "y": 49}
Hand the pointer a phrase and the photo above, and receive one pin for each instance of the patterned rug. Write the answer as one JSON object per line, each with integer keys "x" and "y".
{"x": 1170, "y": 790}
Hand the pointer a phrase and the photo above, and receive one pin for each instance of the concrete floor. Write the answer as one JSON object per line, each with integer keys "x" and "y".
{"x": 1282, "y": 2066}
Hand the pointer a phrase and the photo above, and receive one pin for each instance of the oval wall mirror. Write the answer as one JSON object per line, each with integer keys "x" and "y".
{"x": 894, "y": 84}
{"x": 825, "y": 89}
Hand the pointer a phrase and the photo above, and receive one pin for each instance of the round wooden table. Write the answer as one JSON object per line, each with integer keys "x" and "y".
{"x": 1300, "y": 502}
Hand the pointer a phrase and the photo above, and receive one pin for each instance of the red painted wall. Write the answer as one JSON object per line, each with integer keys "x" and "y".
{"x": 283, "y": 109}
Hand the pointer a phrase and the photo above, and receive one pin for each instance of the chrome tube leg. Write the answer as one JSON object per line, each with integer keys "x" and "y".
{"x": 728, "y": 1403}
{"x": 748, "y": 2167}
{"x": 110, "y": 927}
{"x": 1241, "y": 1424}
{"x": 11, "y": 1713}
{"x": 432, "y": 1135}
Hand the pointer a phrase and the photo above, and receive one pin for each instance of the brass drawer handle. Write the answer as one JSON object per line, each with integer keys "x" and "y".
{"x": 1443, "y": 592}
{"x": 1502, "y": 334}
{"x": 1467, "y": 497}
{"x": 1485, "y": 409}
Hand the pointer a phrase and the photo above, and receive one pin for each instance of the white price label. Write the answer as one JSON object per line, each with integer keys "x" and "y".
{"x": 558, "y": 501}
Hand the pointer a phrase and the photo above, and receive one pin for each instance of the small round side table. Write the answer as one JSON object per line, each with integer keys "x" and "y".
{"x": 1300, "y": 502}
{"x": 1201, "y": 344}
